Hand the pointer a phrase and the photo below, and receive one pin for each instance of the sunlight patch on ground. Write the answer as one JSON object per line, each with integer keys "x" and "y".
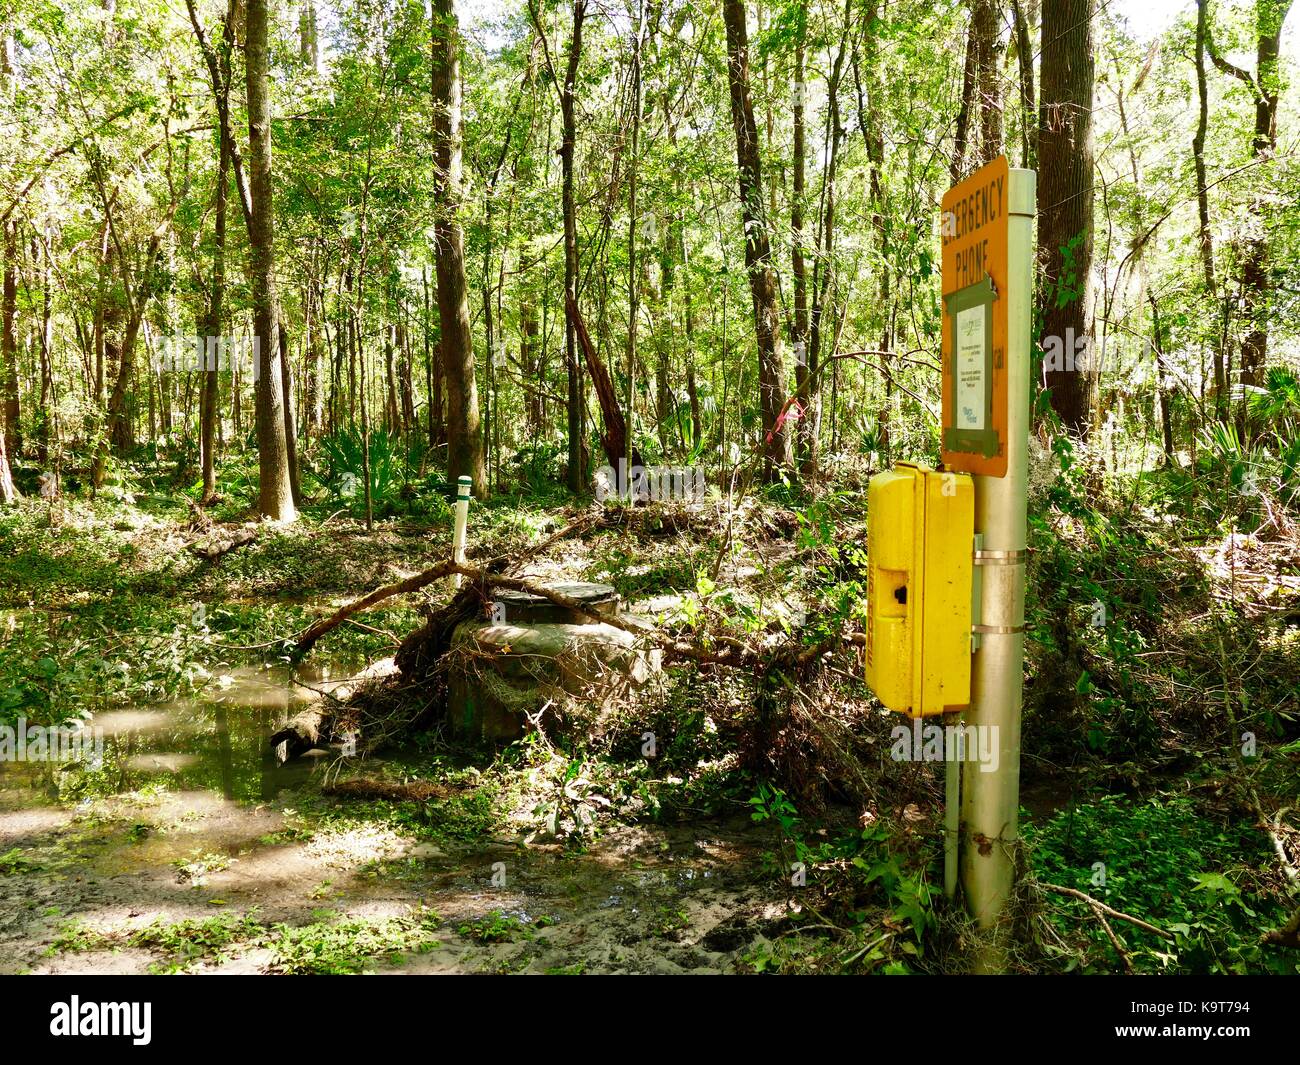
{"x": 347, "y": 847}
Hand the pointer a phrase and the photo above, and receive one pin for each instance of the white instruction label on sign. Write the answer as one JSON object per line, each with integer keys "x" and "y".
{"x": 971, "y": 364}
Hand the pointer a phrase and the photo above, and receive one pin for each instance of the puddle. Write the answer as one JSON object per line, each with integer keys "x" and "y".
{"x": 215, "y": 742}
{"x": 189, "y": 815}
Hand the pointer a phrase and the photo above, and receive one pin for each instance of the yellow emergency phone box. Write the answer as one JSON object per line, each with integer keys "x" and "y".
{"x": 919, "y": 544}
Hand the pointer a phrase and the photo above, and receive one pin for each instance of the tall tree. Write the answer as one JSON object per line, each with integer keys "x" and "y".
{"x": 1206, "y": 242}
{"x": 988, "y": 50}
{"x": 8, "y": 490}
{"x": 464, "y": 430}
{"x": 1025, "y": 65}
{"x": 1065, "y": 205}
{"x": 8, "y": 313}
{"x": 9, "y": 337}
{"x": 758, "y": 247}
{"x": 208, "y": 397}
{"x": 214, "y": 324}
{"x": 1265, "y": 87}
{"x": 798, "y": 235}
{"x": 568, "y": 142}
{"x": 275, "y": 493}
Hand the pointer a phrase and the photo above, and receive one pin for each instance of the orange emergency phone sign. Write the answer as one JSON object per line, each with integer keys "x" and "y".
{"x": 974, "y": 229}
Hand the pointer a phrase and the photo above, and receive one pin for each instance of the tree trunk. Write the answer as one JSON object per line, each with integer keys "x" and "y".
{"x": 121, "y": 420}
{"x": 1025, "y": 66}
{"x": 405, "y": 385}
{"x": 634, "y": 279}
{"x": 308, "y": 50}
{"x": 615, "y": 439}
{"x": 969, "y": 84}
{"x": 530, "y": 364}
{"x": 568, "y": 141}
{"x": 209, "y": 397}
{"x": 290, "y": 422}
{"x": 1203, "y": 199}
{"x": 1065, "y": 206}
{"x": 8, "y": 315}
{"x": 988, "y": 45}
{"x": 1164, "y": 393}
{"x": 464, "y": 430}
{"x": 314, "y": 324}
{"x": 275, "y": 493}
{"x": 46, "y": 411}
{"x": 758, "y": 249}
{"x": 433, "y": 371}
{"x": 9, "y": 339}
{"x": 798, "y": 235}
{"x": 1269, "y": 17}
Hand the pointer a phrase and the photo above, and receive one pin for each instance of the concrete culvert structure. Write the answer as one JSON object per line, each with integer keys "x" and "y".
{"x": 503, "y": 672}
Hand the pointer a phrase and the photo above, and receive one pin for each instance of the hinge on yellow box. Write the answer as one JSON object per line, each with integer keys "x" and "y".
{"x": 976, "y": 592}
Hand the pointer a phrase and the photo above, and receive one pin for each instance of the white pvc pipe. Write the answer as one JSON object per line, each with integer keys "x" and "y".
{"x": 463, "y": 485}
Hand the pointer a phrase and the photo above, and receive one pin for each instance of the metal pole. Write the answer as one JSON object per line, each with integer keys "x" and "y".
{"x": 951, "y": 804}
{"x": 463, "y": 485}
{"x": 990, "y": 800}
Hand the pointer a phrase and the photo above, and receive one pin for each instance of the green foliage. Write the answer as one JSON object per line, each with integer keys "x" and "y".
{"x": 183, "y": 943}
{"x": 15, "y": 861}
{"x": 1164, "y": 861}
{"x": 332, "y": 945}
{"x": 867, "y": 877}
{"x": 1091, "y": 611}
{"x": 498, "y": 927}
{"x": 345, "y": 455}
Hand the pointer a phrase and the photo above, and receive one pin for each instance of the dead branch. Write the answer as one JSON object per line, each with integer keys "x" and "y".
{"x": 1100, "y": 907}
{"x": 301, "y": 732}
{"x": 1286, "y": 936}
{"x": 414, "y": 583}
{"x": 393, "y": 791}
{"x": 409, "y": 584}
{"x": 221, "y": 542}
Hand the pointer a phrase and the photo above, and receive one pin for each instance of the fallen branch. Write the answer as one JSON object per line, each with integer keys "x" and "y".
{"x": 1286, "y": 936}
{"x": 214, "y": 547}
{"x": 313, "y": 723}
{"x": 1115, "y": 942}
{"x": 736, "y": 654}
{"x": 393, "y": 791}
{"x": 1274, "y": 831}
{"x": 1100, "y": 907}
{"x": 413, "y": 584}
{"x": 410, "y": 584}
{"x": 301, "y": 732}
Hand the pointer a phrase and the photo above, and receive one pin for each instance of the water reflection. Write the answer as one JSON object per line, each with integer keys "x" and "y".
{"x": 214, "y": 742}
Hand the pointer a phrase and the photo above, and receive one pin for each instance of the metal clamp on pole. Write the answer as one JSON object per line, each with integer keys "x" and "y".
{"x": 1000, "y": 558}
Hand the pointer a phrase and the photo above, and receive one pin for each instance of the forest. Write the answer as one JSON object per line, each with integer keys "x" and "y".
{"x": 444, "y": 459}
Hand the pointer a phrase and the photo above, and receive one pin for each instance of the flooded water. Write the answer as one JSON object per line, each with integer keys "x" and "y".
{"x": 216, "y": 742}
{"x": 189, "y": 814}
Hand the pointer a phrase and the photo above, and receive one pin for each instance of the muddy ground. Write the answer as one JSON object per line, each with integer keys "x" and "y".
{"x": 188, "y": 819}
